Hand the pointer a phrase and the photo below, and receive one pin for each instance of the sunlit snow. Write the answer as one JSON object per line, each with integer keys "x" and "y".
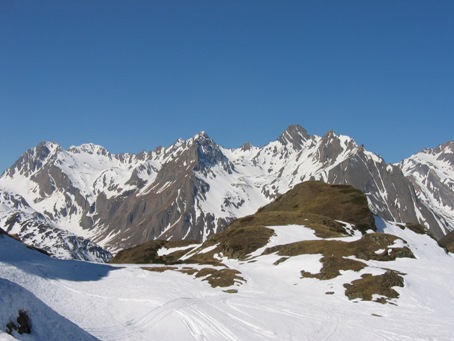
{"x": 275, "y": 303}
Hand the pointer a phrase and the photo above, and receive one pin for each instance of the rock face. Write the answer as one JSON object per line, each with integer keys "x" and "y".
{"x": 34, "y": 229}
{"x": 431, "y": 175}
{"x": 194, "y": 188}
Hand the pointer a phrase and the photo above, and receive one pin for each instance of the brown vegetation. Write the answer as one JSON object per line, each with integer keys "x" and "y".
{"x": 370, "y": 247}
{"x": 236, "y": 242}
{"x": 366, "y": 248}
{"x": 223, "y": 277}
{"x": 369, "y": 285}
{"x": 447, "y": 242}
{"x": 340, "y": 202}
{"x": 147, "y": 253}
{"x": 220, "y": 277}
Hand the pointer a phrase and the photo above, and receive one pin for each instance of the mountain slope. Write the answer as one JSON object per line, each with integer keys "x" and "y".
{"x": 287, "y": 283}
{"x": 195, "y": 188}
{"x": 431, "y": 174}
{"x": 34, "y": 229}
{"x": 332, "y": 222}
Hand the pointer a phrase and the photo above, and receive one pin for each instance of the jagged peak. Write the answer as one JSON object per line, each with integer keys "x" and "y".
{"x": 331, "y": 136}
{"x": 444, "y": 152}
{"x": 448, "y": 147}
{"x": 178, "y": 142}
{"x": 43, "y": 149}
{"x": 48, "y": 144}
{"x": 201, "y": 136}
{"x": 89, "y": 148}
{"x": 246, "y": 147}
{"x": 331, "y": 145}
{"x": 209, "y": 153}
{"x": 444, "y": 148}
{"x": 34, "y": 158}
{"x": 294, "y": 135}
{"x": 201, "y": 133}
{"x": 330, "y": 133}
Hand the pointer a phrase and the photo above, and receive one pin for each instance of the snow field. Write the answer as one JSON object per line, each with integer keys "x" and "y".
{"x": 128, "y": 303}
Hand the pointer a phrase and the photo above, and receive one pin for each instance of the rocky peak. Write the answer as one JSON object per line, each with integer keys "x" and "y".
{"x": 209, "y": 153}
{"x": 44, "y": 150}
{"x": 201, "y": 135}
{"x": 445, "y": 152}
{"x": 294, "y": 136}
{"x": 89, "y": 148}
{"x": 442, "y": 156}
{"x": 445, "y": 148}
{"x": 246, "y": 147}
{"x": 34, "y": 158}
{"x": 200, "y": 151}
{"x": 329, "y": 147}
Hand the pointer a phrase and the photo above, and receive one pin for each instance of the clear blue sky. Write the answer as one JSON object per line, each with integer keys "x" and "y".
{"x": 132, "y": 75}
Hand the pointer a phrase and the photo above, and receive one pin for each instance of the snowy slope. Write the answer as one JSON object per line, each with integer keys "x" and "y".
{"x": 431, "y": 171}
{"x": 273, "y": 303}
{"x": 33, "y": 228}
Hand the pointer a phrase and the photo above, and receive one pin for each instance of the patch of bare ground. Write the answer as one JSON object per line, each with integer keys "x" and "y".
{"x": 159, "y": 268}
{"x": 380, "y": 286}
{"x": 415, "y": 227}
{"x": 375, "y": 246}
{"x": 447, "y": 242}
{"x": 220, "y": 277}
{"x": 224, "y": 277}
{"x": 324, "y": 227}
{"x": 147, "y": 253}
{"x": 235, "y": 242}
{"x": 332, "y": 266}
{"x": 339, "y": 202}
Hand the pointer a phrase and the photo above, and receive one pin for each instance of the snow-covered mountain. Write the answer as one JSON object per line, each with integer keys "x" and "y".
{"x": 33, "y": 228}
{"x": 194, "y": 188}
{"x": 431, "y": 174}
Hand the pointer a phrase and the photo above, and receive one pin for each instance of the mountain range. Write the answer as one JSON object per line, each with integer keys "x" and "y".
{"x": 58, "y": 199}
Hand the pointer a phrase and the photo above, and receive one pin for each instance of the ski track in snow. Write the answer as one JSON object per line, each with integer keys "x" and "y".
{"x": 128, "y": 303}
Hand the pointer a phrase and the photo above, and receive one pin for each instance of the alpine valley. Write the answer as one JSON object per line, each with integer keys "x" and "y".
{"x": 85, "y": 202}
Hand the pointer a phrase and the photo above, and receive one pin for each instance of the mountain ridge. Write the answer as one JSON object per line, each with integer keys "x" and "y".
{"x": 194, "y": 188}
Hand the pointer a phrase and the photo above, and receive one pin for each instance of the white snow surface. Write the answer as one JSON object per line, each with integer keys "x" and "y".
{"x": 80, "y": 300}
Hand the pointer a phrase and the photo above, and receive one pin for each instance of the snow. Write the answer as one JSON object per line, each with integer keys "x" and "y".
{"x": 49, "y": 325}
{"x": 207, "y": 249}
{"x": 165, "y": 251}
{"x": 127, "y": 303}
{"x": 60, "y": 243}
{"x": 433, "y": 174}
